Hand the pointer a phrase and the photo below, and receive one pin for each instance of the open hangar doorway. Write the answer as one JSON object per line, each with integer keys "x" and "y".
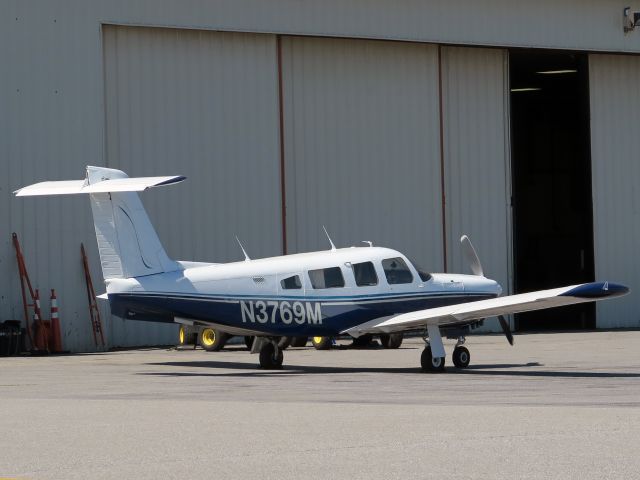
{"x": 551, "y": 181}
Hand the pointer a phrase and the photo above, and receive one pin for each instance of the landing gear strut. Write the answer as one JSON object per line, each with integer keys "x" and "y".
{"x": 270, "y": 355}
{"x": 432, "y": 358}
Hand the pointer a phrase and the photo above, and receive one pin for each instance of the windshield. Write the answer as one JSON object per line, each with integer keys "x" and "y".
{"x": 424, "y": 275}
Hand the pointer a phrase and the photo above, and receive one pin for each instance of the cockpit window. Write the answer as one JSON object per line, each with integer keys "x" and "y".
{"x": 291, "y": 283}
{"x": 424, "y": 275}
{"x": 396, "y": 271}
{"x": 326, "y": 278}
{"x": 365, "y": 274}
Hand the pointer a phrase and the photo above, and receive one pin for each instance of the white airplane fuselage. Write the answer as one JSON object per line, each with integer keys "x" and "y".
{"x": 276, "y": 296}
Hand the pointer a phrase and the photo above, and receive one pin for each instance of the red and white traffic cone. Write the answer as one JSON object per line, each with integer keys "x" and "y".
{"x": 55, "y": 340}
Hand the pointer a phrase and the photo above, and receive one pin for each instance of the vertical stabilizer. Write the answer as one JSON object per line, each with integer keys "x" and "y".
{"x": 128, "y": 244}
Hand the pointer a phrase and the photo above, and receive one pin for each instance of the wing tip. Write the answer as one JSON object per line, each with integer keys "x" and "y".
{"x": 597, "y": 290}
{"x": 169, "y": 181}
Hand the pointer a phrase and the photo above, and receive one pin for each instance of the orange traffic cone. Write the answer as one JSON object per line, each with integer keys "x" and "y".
{"x": 41, "y": 335}
{"x": 55, "y": 340}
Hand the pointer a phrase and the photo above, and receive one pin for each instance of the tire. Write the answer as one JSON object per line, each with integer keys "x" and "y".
{"x": 461, "y": 357}
{"x": 363, "y": 341}
{"x": 268, "y": 358}
{"x": 299, "y": 341}
{"x": 182, "y": 335}
{"x": 248, "y": 341}
{"x": 321, "y": 343}
{"x": 393, "y": 340}
{"x": 429, "y": 364}
{"x": 213, "y": 340}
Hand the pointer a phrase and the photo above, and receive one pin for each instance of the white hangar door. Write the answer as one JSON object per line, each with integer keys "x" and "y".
{"x": 475, "y": 100}
{"x": 204, "y": 105}
{"x": 362, "y": 145}
{"x": 614, "y": 82}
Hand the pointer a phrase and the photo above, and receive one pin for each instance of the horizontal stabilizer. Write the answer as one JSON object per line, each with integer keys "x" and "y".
{"x": 70, "y": 187}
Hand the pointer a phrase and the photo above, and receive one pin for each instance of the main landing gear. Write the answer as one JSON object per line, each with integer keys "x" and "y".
{"x": 271, "y": 355}
{"x": 433, "y": 355}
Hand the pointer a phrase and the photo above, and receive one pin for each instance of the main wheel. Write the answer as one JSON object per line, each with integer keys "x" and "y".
{"x": 393, "y": 340}
{"x": 461, "y": 357}
{"x": 299, "y": 341}
{"x": 430, "y": 364}
{"x": 321, "y": 343}
{"x": 212, "y": 340}
{"x": 182, "y": 335}
{"x": 248, "y": 341}
{"x": 269, "y": 359}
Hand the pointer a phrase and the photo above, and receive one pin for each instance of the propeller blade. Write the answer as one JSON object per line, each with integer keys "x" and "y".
{"x": 505, "y": 328}
{"x": 472, "y": 256}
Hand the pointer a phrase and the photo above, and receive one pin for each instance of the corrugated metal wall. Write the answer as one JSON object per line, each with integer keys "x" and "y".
{"x": 542, "y": 24}
{"x": 204, "y": 105}
{"x": 362, "y": 145}
{"x": 50, "y": 128}
{"x": 476, "y": 158}
{"x": 615, "y": 133}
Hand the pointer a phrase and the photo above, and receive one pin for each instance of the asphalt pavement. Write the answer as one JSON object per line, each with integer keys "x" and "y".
{"x": 563, "y": 405}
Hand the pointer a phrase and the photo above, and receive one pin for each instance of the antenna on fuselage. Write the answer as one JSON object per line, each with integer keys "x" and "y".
{"x": 368, "y": 242}
{"x": 246, "y": 257}
{"x": 333, "y": 247}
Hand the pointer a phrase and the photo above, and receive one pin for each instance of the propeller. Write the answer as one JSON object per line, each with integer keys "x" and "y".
{"x": 476, "y": 268}
{"x": 472, "y": 256}
{"x": 505, "y": 328}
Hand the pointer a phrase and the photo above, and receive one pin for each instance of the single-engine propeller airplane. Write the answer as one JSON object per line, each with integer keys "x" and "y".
{"x": 356, "y": 291}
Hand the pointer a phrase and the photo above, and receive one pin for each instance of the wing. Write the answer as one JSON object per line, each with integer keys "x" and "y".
{"x": 462, "y": 313}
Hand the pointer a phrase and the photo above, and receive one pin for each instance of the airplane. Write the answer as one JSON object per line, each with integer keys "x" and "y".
{"x": 357, "y": 290}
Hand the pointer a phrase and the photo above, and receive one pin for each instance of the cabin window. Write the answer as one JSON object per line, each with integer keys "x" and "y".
{"x": 326, "y": 278}
{"x": 396, "y": 271}
{"x": 291, "y": 283}
{"x": 365, "y": 274}
{"x": 424, "y": 275}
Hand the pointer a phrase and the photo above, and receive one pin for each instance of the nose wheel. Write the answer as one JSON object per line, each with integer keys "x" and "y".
{"x": 461, "y": 357}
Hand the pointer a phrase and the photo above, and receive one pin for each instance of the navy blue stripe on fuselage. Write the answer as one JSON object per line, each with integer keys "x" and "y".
{"x": 280, "y": 315}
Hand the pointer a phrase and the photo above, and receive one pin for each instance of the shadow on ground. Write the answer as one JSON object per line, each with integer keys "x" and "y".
{"x": 252, "y": 370}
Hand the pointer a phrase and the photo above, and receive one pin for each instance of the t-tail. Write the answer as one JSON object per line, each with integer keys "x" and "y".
{"x": 127, "y": 242}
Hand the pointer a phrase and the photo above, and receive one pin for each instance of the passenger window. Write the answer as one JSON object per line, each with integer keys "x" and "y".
{"x": 396, "y": 271}
{"x": 326, "y": 278}
{"x": 365, "y": 274}
{"x": 291, "y": 283}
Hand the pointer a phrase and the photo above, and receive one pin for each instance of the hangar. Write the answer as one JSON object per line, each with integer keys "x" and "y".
{"x": 399, "y": 122}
